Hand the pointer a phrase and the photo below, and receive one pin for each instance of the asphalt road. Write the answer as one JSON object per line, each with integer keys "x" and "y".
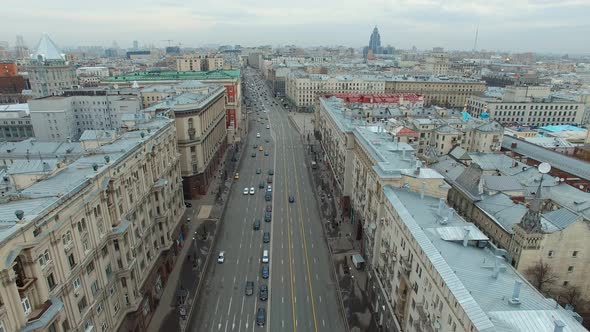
{"x": 302, "y": 290}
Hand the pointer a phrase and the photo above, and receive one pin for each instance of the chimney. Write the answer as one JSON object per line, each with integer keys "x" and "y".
{"x": 515, "y": 299}
{"x": 496, "y": 270}
{"x": 513, "y": 146}
{"x": 417, "y": 171}
{"x": 423, "y": 190}
{"x": 450, "y": 214}
{"x": 467, "y": 230}
{"x": 441, "y": 206}
{"x": 558, "y": 325}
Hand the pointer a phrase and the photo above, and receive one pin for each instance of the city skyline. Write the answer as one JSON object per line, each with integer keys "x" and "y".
{"x": 402, "y": 24}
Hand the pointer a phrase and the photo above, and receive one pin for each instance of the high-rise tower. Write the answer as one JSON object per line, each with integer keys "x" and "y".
{"x": 375, "y": 42}
{"x": 49, "y": 72}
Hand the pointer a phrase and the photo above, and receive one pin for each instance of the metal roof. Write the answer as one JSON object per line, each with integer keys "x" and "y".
{"x": 561, "y": 218}
{"x": 565, "y": 163}
{"x": 47, "y": 50}
{"x": 457, "y": 233}
{"x": 501, "y": 183}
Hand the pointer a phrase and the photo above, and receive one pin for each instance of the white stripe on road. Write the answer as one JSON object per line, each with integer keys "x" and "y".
{"x": 229, "y": 307}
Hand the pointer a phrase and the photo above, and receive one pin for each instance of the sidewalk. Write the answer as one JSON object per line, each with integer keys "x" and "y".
{"x": 340, "y": 233}
{"x": 192, "y": 260}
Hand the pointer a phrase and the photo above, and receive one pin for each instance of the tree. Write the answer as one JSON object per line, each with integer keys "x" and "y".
{"x": 541, "y": 275}
{"x": 571, "y": 294}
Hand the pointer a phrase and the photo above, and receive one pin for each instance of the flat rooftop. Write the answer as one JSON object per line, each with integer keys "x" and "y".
{"x": 467, "y": 271}
{"x": 221, "y": 74}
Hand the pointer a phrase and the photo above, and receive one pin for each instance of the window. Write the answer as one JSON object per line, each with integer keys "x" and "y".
{"x": 76, "y": 283}
{"x": 94, "y": 287}
{"x": 565, "y": 283}
{"x": 127, "y": 299}
{"x": 104, "y": 326}
{"x": 570, "y": 269}
{"x": 26, "y": 305}
{"x": 550, "y": 253}
{"x": 98, "y": 308}
{"x": 575, "y": 253}
{"x": 88, "y": 325}
{"x": 123, "y": 282}
{"x": 50, "y": 282}
{"x": 44, "y": 258}
{"x": 72, "y": 261}
{"x": 86, "y": 244}
{"x": 116, "y": 307}
{"x": 82, "y": 304}
{"x": 90, "y": 267}
{"x": 112, "y": 290}
{"x": 2, "y": 329}
{"x": 67, "y": 238}
{"x": 116, "y": 245}
{"x": 104, "y": 251}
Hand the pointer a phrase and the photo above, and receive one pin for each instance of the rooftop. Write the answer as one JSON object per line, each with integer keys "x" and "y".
{"x": 221, "y": 74}
{"x": 188, "y": 101}
{"x": 42, "y": 196}
{"x": 467, "y": 272}
{"x": 47, "y": 50}
{"x": 568, "y": 164}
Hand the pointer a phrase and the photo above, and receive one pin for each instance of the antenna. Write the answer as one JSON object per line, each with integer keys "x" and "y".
{"x": 475, "y": 42}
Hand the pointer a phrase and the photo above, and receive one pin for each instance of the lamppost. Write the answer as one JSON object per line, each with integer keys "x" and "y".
{"x": 195, "y": 249}
{"x": 350, "y": 294}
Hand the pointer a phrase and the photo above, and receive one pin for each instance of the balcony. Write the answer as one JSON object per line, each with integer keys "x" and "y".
{"x": 406, "y": 266}
{"x": 25, "y": 284}
{"x": 423, "y": 323}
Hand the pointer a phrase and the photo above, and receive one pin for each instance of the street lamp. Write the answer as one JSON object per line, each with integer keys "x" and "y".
{"x": 350, "y": 293}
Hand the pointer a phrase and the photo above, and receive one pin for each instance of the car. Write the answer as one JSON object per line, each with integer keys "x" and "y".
{"x": 269, "y": 179}
{"x": 261, "y": 185}
{"x": 258, "y": 171}
{"x": 253, "y": 154}
{"x": 265, "y": 257}
{"x": 261, "y": 317}
{"x": 237, "y": 176}
{"x": 188, "y": 204}
{"x": 264, "y": 272}
{"x": 291, "y": 199}
{"x": 266, "y": 237}
{"x": 269, "y": 188}
{"x": 246, "y": 191}
{"x": 249, "y": 288}
{"x": 266, "y": 140}
{"x": 271, "y": 172}
{"x": 263, "y": 292}
{"x": 267, "y": 126}
{"x": 256, "y": 225}
{"x": 266, "y": 153}
{"x": 252, "y": 191}
{"x": 260, "y": 148}
{"x": 255, "y": 146}
{"x": 267, "y": 216}
{"x": 269, "y": 208}
{"x": 221, "y": 257}
{"x": 257, "y": 135}
{"x": 268, "y": 197}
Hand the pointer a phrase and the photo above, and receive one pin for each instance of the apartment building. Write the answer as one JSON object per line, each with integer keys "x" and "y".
{"x": 432, "y": 271}
{"x": 441, "y": 91}
{"x": 199, "y": 62}
{"x": 437, "y": 62}
{"x": 67, "y": 116}
{"x": 528, "y": 106}
{"x": 155, "y": 93}
{"x": 15, "y": 122}
{"x": 230, "y": 78}
{"x": 49, "y": 72}
{"x": 202, "y": 135}
{"x": 88, "y": 244}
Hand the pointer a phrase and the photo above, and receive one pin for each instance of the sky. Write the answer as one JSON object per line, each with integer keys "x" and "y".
{"x": 547, "y": 26}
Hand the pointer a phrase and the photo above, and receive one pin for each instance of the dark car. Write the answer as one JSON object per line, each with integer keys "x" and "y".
{"x": 258, "y": 171}
{"x": 249, "y": 288}
{"x": 269, "y": 208}
{"x": 264, "y": 272}
{"x": 256, "y": 224}
{"x": 291, "y": 199}
{"x": 269, "y": 179}
{"x": 268, "y": 196}
{"x": 266, "y": 153}
{"x": 263, "y": 292}
{"x": 271, "y": 172}
{"x": 266, "y": 237}
{"x": 261, "y": 185}
{"x": 261, "y": 317}
{"x": 267, "y": 216}
{"x": 255, "y": 146}
{"x": 253, "y": 154}
{"x": 188, "y": 204}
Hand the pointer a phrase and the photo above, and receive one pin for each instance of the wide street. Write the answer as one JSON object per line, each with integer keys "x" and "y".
{"x": 302, "y": 290}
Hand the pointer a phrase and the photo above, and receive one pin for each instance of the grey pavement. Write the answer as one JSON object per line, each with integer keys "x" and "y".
{"x": 302, "y": 284}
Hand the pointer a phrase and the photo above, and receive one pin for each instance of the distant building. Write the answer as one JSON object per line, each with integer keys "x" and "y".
{"x": 8, "y": 68}
{"x": 154, "y": 94}
{"x": 202, "y": 135}
{"x": 49, "y": 72}
{"x": 375, "y": 41}
{"x": 527, "y": 105}
{"x": 437, "y": 62}
{"x": 67, "y": 116}
{"x": 15, "y": 122}
{"x": 91, "y": 76}
{"x": 172, "y": 50}
{"x": 139, "y": 54}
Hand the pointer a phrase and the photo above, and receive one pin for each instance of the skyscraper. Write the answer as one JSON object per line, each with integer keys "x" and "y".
{"x": 375, "y": 42}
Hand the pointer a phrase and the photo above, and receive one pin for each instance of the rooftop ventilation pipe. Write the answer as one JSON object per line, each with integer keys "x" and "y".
{"x": 515, "y": 299}
{"x": 423, "y": 190}
{"x": 441, "y": 206}
{"x": 450, "y": 214}
{"x": 467, "y": 230}
{"x": 558, "y": 325}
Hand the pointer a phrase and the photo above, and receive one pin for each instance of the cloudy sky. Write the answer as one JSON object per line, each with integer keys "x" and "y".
{"x": 558, "y": 26}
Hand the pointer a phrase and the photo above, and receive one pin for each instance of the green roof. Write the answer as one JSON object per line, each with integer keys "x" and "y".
{"x": 176, "y": 75}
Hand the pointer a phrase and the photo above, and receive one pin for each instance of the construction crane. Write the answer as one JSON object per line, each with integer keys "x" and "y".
{"x": 169, "y": 41}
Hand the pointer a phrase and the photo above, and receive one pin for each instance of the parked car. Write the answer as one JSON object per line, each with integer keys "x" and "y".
{"x": 268, "y": 197}
{"x": 261, "y": 317}
{"x": 261, "y": 185}
{"x": 221, "y": 257}
{"x": 246, "y": 191}
{"x": 237, "y": 176}
{"x": 271, "y": 172}
{"x": 266, "y": 237}
{"x": 267, "y": 216}
{"x": 252, "y": 191}
{"x": 263, "y": 292}
{"x": 265, "y": 272}
{"x": 253, "y": 154}
{"x": 291, "y": 199}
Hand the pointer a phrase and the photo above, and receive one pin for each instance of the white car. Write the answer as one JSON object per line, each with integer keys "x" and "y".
{"x": 257, "y": 135}
{"x": 246, "y": 191}
{"x": 269, "y": 189}
{"x": 252, "y": 191}
{"x": 221, "y": 257}
{"x": 267, "y": 126}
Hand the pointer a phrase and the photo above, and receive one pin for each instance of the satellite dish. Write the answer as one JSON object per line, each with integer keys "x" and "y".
{"x": 544, "y": 168}
{"x": 562, "y": 179}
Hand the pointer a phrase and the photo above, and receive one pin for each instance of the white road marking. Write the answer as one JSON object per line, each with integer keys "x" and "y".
{"x": 238, "y": 262}
{"x": 233, "y": 324}
{"x": 282, "y": 299}
{"x": 226, "y": 322}
{"x": 234, "y": 282}
{"x": 316, "y": 277}
{"x": 229, "y": 307}
{"x": 320, "y": 299}
{"x": 281, "y": 262}
{"x": 323, "y": 323}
